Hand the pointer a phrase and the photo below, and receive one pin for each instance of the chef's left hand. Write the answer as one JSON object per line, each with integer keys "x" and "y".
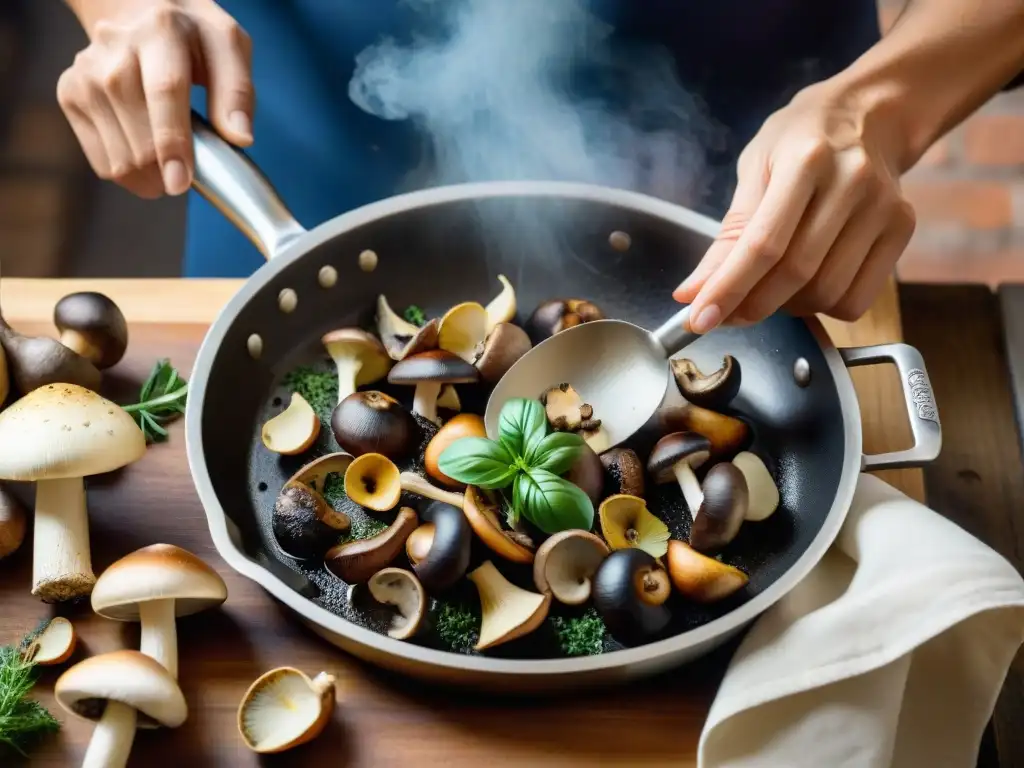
{"x": 816, "y": 224}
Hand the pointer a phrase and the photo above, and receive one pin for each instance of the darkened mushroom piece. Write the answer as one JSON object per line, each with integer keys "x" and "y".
{"x": 427, "y": 372}
{"x": 725, "y": 505}
{"x": 556, "y": 315}
{"x": 304, "y": 524}
{"x": 372, "y": 421}
{"x": 504, "y": 345}
{"x": 701, "y": 578}
{"x": 626, "y": 473}
{"x": 440, "y": 551}
{"x": 359, "y": 358}
{"x": 728, "y": 435}
{"x": 565, "y": 565}
{"x": 92, "y": 325}
{"x": 630, "y": 590}
{"x": 714, "y": 390}
{"x": 674, "y": 459}
{"x": 400, "y": 337}
{"x": 37, "y": 361}
{"x": 356, "y": 561}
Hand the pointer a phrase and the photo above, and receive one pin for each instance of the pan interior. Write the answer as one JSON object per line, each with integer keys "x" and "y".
{"x": 437, "y": 256}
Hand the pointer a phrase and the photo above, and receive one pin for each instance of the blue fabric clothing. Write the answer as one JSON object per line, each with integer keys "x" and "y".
{"x": 742, "y": 59}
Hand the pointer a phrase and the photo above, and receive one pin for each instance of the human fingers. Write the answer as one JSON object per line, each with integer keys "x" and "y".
{"x": 166, "y": 67}
{"x": 227, "y": 57}
{"x": 69, "y": 96}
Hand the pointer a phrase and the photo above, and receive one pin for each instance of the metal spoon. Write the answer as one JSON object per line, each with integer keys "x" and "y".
{"x": 619, "y": 368}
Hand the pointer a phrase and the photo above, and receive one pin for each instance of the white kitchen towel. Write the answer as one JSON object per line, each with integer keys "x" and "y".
{"x": 890, "y": 653}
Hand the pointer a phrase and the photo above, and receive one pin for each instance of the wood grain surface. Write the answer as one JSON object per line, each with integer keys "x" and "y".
{"x": 380, "y": 720}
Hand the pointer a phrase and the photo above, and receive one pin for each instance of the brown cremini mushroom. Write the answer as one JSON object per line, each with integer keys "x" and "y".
{"x": 556, "y": 315}
{"x": 400, "y": 337}
{"x": 428, "y": 371}
{"x": 283, "y": 708}
{"x": 359, "y": 358}
{"x": 714, "y": 390}
{"x": 625, "y": 471}
{"x": 728, "y": 435}
{"x": 293, "y": 430}
{"x": 439, "y": 549}
{"x": 463, "y": 329}
{"x": 374, "y": 422}
{"x": 726, "y": 498}
{"x": 674, "y": 459}
{"x": 483, "y": 516}
{"x": 507, "y": 612}
{"x": 565, "y": 565}
{"x": 764, "y": 493}
{"x": 699, "y": 577}
{"x": 626, "y": 523}
{"x": 502, "y": 348}
{"x": 630, "y": 589}
{"x": 304, "y": 524}
{"x": 400, "y": 589}
{"x": 356, "y": 561}
{"x": 92, "y": 325}
{"x": 463, "y": 425}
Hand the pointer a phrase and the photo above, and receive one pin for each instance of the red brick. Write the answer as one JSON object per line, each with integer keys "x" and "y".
{"x": 965, "y": 266}
{"x": 976, "y": 204}
{"x": 991, "y": 139}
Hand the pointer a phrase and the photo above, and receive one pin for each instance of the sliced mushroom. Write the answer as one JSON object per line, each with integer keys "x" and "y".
{"x": 12, "y": 523}
{"x": 625, "y": 471}
{"x": 630, "y": 590}
{"x": 699, "y": 577}
{"x": 283, "y": 708}
{"x": 587, "y": 473}
{"x": 564, "y": 408}
{"x": 400, "y": 337}
{"x": 556, "y": 315}
{"x": 36, "y": 361}
{"x": 304, "y": 524}
{"x": 293, "y": 430}
{"x": 359, "y": 358}
{"x": 502, "y": 308}
{"x": 373, "y": 481}
{"x": 315, "y": 473}
{"x": 356, "y": 561}
{"x": 463, "y": 425}
{"x": 726, "y": 499}
{"x": 463, "y": 329}
{"x": 728, "y": 435}
{"x": 374, "y": 422}
{"x": 508, "y": 612}
{"x": 54, "y": 644}
{"x": 401, "y": 589}
{"x": 674, "y": 459}
{"x": 715, "y": 390}
{"x": 427, "y": 372}
{"x": 504, "y": 345}
{"x": 595, "y": 435}
{"x": 440, "y": 551}
{"x": 764, "y": 493}
{"x": 627, "y": 523}
{"x": 482, "y": 515}
{"x": 92, "y": 325}
{"x": 565, "y": 565}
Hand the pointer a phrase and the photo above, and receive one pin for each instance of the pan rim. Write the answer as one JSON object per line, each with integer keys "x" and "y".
{"x": 374, "y": 643}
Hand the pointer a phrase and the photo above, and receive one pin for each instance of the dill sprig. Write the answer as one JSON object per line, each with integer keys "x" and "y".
{"x": 161, "y": 399}
{"x": 22, "y": 720}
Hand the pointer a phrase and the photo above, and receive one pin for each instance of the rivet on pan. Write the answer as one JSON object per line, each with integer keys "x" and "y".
{"x": 255, "y": 346}
{"x": 327, "y": 276}
{"x": 802, "y": 371}
{"x": 287, "y": 300}
{"x": 620, "y": 241}
{"x": 368, "y": 261}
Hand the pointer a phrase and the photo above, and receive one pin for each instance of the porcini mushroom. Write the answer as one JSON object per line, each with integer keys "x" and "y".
{"x": 374, "y": 422}
{"x": 714, "y": 390}
{"x": 504, "y": 345}
{"x": 36, "y": 361}
{"x": 587, "y": 472}
{"x": 293, "y": 430}
{"x": 12, "y": 523}
{"x": 728, "y": 435}
{"x": 54, "y": 644}
{"x": 482, "y": 515}
{"x": 566, "y": 563}
{"x": 316, "y": 473}
{"x": 112, "y": 689}
{"x": 625, "y": 470}
{"x": 556, "y": 315}
{"x": 440, "y": 551}
{"x": 92, "y": 325}
{"x": 725, "y": 505}
{"x": 359, "y": 358}
{"x": 564, "y": 408}
{"x": 463, "y": 425}
{"x": 305, "y": 525}
{"x": 400, "y": 337}
{"x": 699, "y": 577}
{"x": 400, "y": 589}
{"x": 626, "y": 522}
{"x": 502, "y": 308}
{"x": 629, "y": 591}
{"x": 283, "y": 708}
{"x": 507, "y": 612}
{"x": 764, "y": 493}
{"x": 372, "y": 481}
{"x": 463, "y": 329}
{"x": 154, "y": 586}
{"x": 356, "y": 561}
{"x": 674, "y": 459}
{"x": 57, "y": 435}
{"x": 427, "y": 371}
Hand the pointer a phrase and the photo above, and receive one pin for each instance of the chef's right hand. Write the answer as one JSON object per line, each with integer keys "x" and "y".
{"x": 127, "y": 94}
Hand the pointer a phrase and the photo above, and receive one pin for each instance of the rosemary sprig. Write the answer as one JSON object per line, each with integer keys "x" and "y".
{"x": 161, "y": 400}
{"x": 22, "y": 720}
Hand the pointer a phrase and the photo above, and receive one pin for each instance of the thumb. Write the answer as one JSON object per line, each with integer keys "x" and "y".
{"x": 229, "y": 90}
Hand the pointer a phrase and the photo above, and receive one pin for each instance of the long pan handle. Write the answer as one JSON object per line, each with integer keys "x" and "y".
{"x": 234, "y": 186}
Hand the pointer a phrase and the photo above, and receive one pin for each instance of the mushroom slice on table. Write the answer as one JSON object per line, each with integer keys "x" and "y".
{"x": 483, "y": 516}
{"x": 764, "y": 493}
{"x": 283, "y": 708}
{"x": 458, "y": 427}
{"x": 502, "y": 308}
{"x": 428, "y": 371}
{"x": 113, "y": 689}
{"x": 315, "y": 473}
{"x": 463, "y": 329}
{"x": 400, "y": 337}
{"x": 358, "y": 357}
{"x": 630, "y": 590}
{"x": 12, "y": 523}
{"x": 304, "y": 524}
{"x": 674, "y": 459}
{"x": 726, "y": 499}
{"x": 400, "y": 589}
{"x": 155, "y": 585}
{"x": 56, "y": 436}
{"x": 374, "y": 422}
{"x": 701, "y": 578}
{"x": 92, "y": 325}
{"x": 565, "y": 565}
{"x": 507, "y": 612}
{"x": 627, "y": 523}
{"x": 728, "y": 435}
{"x": 502, "y": 348}
{"x": 36, "y": 361}
{"x": 556, "y": 315}
{"x": 293, "y": 430}
{"x": 54, "y": 644}
{"x": 626, "y": 471}
{"x": 439, "y": 549}
{"x": 373, "y": 481}
{"x": 356, "y": 561}
{"x": 714, "y": 390}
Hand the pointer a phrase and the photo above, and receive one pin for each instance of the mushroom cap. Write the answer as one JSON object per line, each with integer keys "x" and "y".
{"x": 482, "y": 516}
{"x": 283, "y": 708}
{"x": 447, "y": 557}
{"x": 701, "y": 578}
{"x": 462, "y": 329}
{"x": 374, "y": 422}
{"x": 565, "y": 565}
{"x": 98, "y": 320}
{"x": 727, "y": 434}
{"x": 437, "y": 366}
{"x": 714, "y": 390}
{"x": 720, "y": 516}
{"x": 356, "y": 561}
{"x": 129, "y": 677}
{"x": 458, "y": 427}
{"x": 401, "y": 589}
{"x": 630, "y": 591}
{"x": 503, "y": 347}
{"x": 373, "y": 481}
{"x": 626, "y": 522}
{"x": 400, "y": 337}
{"x": 64, "y": 430}
{"x": 507, "y": 611}
{"x": 673, "y": 448}
{"x": 346, "y": 343}
{"x": 304, "y": 524}
{"x": 157, "y": 572}
{"x": 627, "y": 473}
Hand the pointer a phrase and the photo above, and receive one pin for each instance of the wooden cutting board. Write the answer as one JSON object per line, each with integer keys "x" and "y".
{"x": 380, "y": 720}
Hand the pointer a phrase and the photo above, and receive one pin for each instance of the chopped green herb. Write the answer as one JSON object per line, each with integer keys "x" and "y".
{"x": 363, "y": 528}
{"x": 415, "y": 315}
{"x": 22, "y": 720}
{"x": 580, "y": 635}
{"x": 161, "y": 400}
{"x": 318, "y": 388}
{"x": 458, "y": 626}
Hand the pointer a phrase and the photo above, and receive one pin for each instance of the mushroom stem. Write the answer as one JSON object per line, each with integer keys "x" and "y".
{"x": 348, "y": 370}
{"x": 62, "y": 563}
{"x": 424, "y": 400}
{"x": 689, "y": 485}
{"x": 112, "y": 738}
{"x": 413, "y": 483}
{"x": 159, "y": 636}
{"x": 77, "y": 342}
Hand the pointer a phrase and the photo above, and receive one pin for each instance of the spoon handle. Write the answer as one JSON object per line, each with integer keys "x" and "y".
{"x": 674, "y": 333}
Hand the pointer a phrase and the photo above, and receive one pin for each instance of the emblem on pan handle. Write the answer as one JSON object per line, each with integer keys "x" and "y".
{"x": 921, "y": 395}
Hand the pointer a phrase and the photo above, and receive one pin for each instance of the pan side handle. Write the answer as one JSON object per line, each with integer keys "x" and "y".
{"x": 238, "y": 189}
{"x": 920, "y": 402}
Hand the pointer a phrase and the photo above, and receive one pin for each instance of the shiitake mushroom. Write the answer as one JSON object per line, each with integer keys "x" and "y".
{"x": 304, "y": 524}
{"x": 629, "y": 591}
{"x": 440, "y": 548}
{"x": 374, "y": 422}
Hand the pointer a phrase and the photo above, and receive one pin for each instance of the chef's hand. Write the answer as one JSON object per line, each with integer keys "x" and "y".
{"x": 816, "y": 224}
{"x": 127, "y": 94}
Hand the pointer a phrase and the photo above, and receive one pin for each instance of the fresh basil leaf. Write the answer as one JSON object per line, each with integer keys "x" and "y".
{"x": 556, "y": 452}
{"x": 521, "y": 419}
{"x": 478, "y": 461}
{"x": 551, "y": 503}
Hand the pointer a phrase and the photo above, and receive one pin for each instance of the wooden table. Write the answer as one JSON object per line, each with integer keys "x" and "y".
{"x": 382, "y": 721}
